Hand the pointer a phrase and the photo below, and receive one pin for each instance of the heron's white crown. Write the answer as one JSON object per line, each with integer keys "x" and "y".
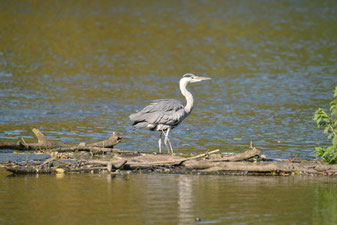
{"x": 191, "y": 78}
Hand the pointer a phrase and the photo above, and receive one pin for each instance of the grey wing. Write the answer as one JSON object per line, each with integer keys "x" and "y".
{"x": 165, "y": 112}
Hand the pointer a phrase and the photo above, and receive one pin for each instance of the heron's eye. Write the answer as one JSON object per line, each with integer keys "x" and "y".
{"x": 192, "y": 77}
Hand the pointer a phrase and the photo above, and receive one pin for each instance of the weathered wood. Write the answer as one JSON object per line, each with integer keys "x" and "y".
{"x": 148, "y": 161}
{"x": 109, "y": 143}
{"x": 175, "y": 162}
{"x": 23, "y": 146}
{"x": 51, "y": 159}
{"x": 204, "y": 164}
{"x": 271, "y": 168}
{"x": 199, "y": 164}
{"x": 41, "y": 139}
{"x": 30, "y": 170}
{"x": 85, "y": 169}
{"x": 89, "y": 148}
{"x": 44, "y": 144}
{"x": 208, "y": 163}
{"x": 112, "y": 164}
{"x": 253, "y": 152}
{"x": 12, "y": 145}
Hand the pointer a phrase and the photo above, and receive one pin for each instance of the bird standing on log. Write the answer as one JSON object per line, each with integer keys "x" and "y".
{"x": 165, "y": 114}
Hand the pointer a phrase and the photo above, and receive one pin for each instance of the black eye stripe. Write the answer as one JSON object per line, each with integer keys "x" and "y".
{"x": 188, "y": 75}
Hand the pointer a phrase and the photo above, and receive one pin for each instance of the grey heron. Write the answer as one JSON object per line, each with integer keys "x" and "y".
{"x": 165, "y": 114}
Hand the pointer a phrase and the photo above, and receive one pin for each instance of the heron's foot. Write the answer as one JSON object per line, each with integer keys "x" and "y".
{"x": 169, "y": 149}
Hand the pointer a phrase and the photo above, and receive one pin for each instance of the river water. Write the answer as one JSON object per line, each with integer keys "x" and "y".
{"x": 77, "y": 69}
{"x": 167, "y": 199}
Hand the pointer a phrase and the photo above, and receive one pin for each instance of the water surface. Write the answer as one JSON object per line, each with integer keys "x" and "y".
{"x": 78, "y": 69}
{"x": 167, "y": 199}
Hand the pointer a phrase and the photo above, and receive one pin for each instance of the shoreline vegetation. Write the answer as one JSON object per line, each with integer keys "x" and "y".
{"x": 102, "y": 157}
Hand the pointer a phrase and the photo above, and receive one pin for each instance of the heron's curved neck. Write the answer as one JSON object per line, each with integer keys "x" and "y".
{"x": 188, "y": 96}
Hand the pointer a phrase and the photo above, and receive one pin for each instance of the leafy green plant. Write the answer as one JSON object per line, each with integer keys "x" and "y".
{"x": 329, "y": 123}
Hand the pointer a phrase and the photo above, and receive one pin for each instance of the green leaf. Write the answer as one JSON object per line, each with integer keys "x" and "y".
{"x": 334, "y": 140}
{"x": 326, "y": 130}
{"x": 333, "y": 107}
{"x": 334, "y": 123}
{"x": 330, "y": 136}
{"x": 329, "y": 123}
{"x": 319, "y": 151}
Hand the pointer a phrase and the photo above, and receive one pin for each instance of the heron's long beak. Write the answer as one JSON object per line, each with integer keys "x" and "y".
{"x": 203, "y": 78}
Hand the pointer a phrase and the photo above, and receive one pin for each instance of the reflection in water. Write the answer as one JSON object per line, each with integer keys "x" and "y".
{"x": 167, "y": 199}
{"x": 326, "y": 205}
{"x": 185, "y": 200}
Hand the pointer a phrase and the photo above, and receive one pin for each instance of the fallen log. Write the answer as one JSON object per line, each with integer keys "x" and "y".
{"x": 148, "y": 160}
{"x": 30, "y": 170}
{"x": 44, "y": 144}
{"x": 211, "y": 162}
{"x": 113, "y": 164}
{"x": 251, "y": 153}
{"x": 89, "y": 148}
{"x": 248, "y": 167}
{"x": 109, "y": 143}
{"x": 86, "y": 166}
{"x": 175, "y": 162}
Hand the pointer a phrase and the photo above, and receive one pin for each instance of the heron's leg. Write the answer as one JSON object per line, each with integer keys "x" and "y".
{"x": 170, "y": 145}
{"x": 159, "y": 141}
{"x": 167, "y": 140}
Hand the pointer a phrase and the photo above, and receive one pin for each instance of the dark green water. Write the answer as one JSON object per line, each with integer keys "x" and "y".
{"x": 77, "y": 69}
{"x": 167, "y": 199}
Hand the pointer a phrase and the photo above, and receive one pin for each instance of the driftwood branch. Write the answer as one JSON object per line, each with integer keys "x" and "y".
{"x": 89, "y": 148}
{"x": 113, "y": 164}
{"x": 173, "y": 162}
{"x": 87, "y": 166}
{"x": 272, "y": 168}
{"x": 51, "y": 159}
{"x": 149, "y": 161}
{"x": 30, "y": 170}
{"x": 44, "y": 144}
{"x": 109, "y": 143}
{"x": 251, "y": 153}
{"x": 212, "y": 162}
{"x": 204, "y": 164}
{"x": 41, "y": 139}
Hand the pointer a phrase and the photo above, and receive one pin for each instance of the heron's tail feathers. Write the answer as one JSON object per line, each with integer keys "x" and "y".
{"x": 141, "y": 120}
{"x": 138, "y": 121}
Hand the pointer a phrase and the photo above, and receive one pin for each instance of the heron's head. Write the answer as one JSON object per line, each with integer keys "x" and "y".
{"x": 191, "y": 78}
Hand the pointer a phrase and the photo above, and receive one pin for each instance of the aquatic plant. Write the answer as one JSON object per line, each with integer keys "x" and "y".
{"x": 329, "y": 123}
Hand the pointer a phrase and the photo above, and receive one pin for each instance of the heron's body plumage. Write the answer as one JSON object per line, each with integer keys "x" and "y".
{"x": 160, "y": 115}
